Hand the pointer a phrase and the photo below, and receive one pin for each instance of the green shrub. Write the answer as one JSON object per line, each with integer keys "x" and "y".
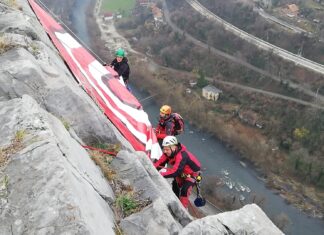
{"x": 20, "y": 135}
{"x": 5, "y": 45}
{"x": 127, "y": 203}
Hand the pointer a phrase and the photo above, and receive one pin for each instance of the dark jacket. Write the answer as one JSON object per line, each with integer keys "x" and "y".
{"x": 121, "y": 68}
{"x": 165, "y": 127}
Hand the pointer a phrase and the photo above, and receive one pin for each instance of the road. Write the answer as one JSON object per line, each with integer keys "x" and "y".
{"x": 271, "y": 18}
{"x": 270, "y": 94}
{"x": 296, "y": 59}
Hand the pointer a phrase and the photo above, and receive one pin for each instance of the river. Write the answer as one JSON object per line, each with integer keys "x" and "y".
{"x": 221, "y": 162}
{"x": 239, "y": 178}
{"x": 78, "y": 18}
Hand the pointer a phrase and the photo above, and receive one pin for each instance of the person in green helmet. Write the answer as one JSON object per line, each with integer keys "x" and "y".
{"x": 120, "y": 65}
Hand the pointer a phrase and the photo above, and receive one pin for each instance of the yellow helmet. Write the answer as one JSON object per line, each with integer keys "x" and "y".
{"x": 165, "y": 109}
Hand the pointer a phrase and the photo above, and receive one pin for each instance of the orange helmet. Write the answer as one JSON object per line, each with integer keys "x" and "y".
{"x": 165, "y": 109}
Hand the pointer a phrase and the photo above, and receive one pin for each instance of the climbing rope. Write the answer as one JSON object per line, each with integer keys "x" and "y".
{"x": 74, "y": 35}
{"x": 100, "y": 150}
{"x": 194, "y": 210}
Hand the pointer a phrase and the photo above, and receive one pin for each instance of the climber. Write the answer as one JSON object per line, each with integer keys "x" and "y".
{"x": 184, "y": 168}
{"x": 169, "y": 124}
{"x": 120, "y": 65}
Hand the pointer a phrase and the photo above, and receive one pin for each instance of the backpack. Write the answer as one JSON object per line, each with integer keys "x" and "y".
{"x": 178, "y": 123}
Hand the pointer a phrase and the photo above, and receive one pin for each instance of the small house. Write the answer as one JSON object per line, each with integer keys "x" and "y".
{"x": 108, "y": 16}
{"x": 144, "y": 3}
{"x": 157, "y": 13}
{"x": 293, "y": 10}
{"x": 211, "y": 93}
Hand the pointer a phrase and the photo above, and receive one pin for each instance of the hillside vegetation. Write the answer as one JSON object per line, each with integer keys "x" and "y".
{"x": 290, "y": 141}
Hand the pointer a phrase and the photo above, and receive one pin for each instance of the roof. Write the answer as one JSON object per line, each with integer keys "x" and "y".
{"x": 211, "y": 88}
{"x": 293, "y": 7}
{"x": 157, "y": 12}
{"x": 108, "y": 14}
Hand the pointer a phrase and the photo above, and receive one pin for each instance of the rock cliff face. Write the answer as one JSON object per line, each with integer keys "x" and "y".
{"x": 48, "y": 184}
{"x": 51, "y": 186}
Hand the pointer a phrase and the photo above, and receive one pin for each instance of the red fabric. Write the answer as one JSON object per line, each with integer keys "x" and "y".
{"x": 121, "y": 107}
{"x": 126, "y": 97}
{"x": 185, "y": 200}
{"x": 160, "y": 132}
{"x": 185, "y": 185}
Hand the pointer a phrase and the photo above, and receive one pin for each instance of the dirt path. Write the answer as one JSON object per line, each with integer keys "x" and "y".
{"x": 109, "y": 35}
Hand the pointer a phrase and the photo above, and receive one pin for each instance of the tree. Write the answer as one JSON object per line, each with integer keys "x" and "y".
{"x": 201, "y": 82}
{"x": 300, "y": 133}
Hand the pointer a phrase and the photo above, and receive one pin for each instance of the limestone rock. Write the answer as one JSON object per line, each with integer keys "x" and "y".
{"x": 154, "y": 219}
{"x": 151, "y": 184}
{"x": 248, "y": 220}
{"x": 53, "y": 187}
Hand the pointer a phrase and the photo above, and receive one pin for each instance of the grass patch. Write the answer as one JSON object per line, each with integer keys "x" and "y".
{"x": 127, "y": 200}
{"x": 127, "y": 203}
{"x": 123, "y": 7}
{"x": 65, "y": 123}
{"x": 103, "y": 161}
{"x": 5, "y": 45}
{"x": 118, "y": 230}
{"x": 13, "y": 4}
{"x": 4, "y": 182}
{"x": 109, "y": 147}
{"x": 15, "y": 146}
{"x": 20, "y": 135}
{"x": 34, "y": 49}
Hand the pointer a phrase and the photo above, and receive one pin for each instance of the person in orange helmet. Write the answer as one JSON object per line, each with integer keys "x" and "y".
{"x": 166, "y": 125}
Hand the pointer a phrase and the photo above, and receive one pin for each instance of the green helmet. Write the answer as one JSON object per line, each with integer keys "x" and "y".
{"x": 120, "y": 52}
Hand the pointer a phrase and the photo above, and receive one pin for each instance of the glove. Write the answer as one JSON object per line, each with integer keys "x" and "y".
{"x": 163, "y": 170}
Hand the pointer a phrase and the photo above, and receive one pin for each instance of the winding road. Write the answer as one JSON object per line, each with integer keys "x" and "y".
{"x": 236, "y": 60}
{"x": 296, "y": 59}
